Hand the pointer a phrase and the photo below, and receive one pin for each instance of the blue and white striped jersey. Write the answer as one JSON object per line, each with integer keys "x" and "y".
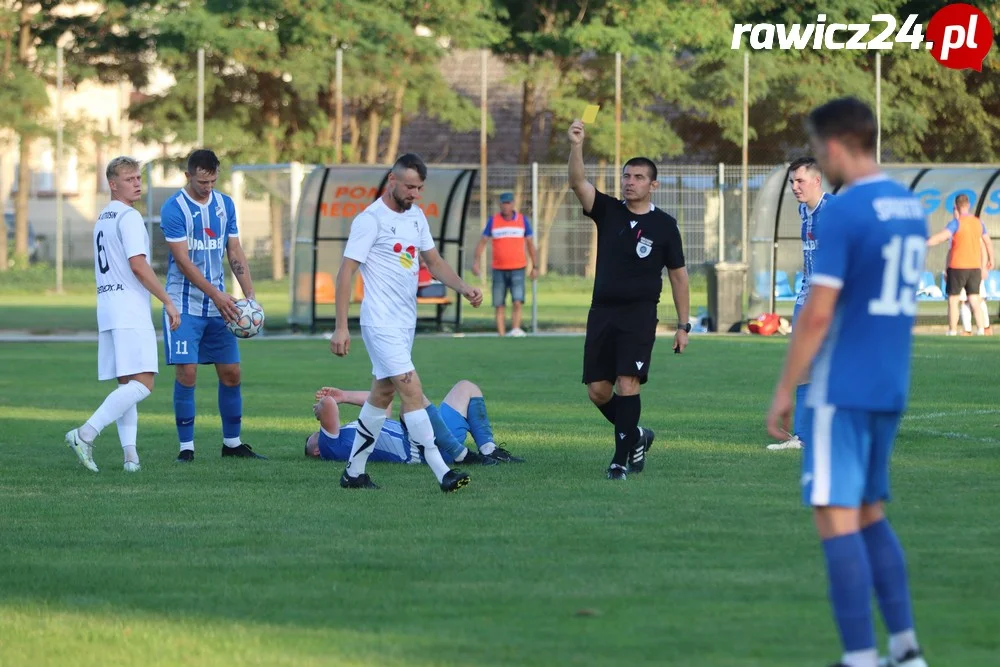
{"x": 874, "y": 244}
{"x": 207, "y": 229}
{"x": 810, "y": 224}
{"x": 391, "y": 445}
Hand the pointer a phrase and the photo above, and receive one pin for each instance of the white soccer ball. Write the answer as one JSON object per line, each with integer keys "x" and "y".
{"x": 249, "y": 321}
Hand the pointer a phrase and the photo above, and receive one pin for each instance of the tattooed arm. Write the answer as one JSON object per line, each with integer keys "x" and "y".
{"x": 238, "y": 263}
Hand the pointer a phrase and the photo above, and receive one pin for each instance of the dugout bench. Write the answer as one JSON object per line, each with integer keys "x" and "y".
{"x": 325, "y": 294}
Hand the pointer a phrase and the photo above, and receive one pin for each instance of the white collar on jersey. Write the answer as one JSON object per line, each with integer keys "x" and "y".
{"x": 211, "y": 198}
{"x": 652, "y": 207}
{"x": 819, "y": 205}
{"x": 874, "y": 178}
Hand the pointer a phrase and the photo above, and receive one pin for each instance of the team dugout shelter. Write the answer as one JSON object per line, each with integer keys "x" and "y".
{"x": 776, "y": 228}
{"x": 332, "y": 196}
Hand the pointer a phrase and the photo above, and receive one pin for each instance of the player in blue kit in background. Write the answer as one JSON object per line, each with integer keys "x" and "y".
{"x": 855, "y": 333}
{"x": 199, "y": 225}
{"x": 807, "y": 185}
{"x": 463, "y": 411}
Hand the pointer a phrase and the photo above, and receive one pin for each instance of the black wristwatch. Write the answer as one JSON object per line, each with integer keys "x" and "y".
{"x": 686, "y": 327}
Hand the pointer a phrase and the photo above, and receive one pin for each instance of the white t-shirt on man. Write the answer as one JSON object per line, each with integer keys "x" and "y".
{"x": 122, "y": 301}
{"x": 386, "y": 243}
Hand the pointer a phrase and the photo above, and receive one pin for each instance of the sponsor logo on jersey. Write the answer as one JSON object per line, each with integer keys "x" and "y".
{"x": 407, "y": 256}
{"x": 117, "y": 287}
{"x": 198, "y": 244}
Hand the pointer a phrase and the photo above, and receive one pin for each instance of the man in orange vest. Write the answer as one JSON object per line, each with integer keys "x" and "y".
{"x": 512, "y": 244}
{"x": 969, "y": 240}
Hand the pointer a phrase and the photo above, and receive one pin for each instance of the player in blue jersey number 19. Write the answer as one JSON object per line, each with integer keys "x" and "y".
{"x": 853, "y": 337}
{"x": 199, "y": 225}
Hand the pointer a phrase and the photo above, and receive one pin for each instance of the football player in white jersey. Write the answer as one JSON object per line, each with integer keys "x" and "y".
{"x": 383, "y": 243}
{"x": 126, "y": 344}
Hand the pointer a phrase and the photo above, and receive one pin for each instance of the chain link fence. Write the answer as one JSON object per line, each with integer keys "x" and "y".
{"x": 705, "y": 200}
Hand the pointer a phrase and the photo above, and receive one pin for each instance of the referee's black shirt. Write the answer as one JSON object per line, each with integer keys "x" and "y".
{"x": 632, "y": 251}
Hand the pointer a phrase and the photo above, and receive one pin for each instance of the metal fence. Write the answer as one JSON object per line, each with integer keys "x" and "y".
{"x": 705, "y": 200}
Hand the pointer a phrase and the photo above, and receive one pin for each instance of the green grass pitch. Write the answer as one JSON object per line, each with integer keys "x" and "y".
{"x": 705, "y": 559}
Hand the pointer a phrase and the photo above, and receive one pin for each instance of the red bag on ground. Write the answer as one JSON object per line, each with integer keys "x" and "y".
{"x": 766, "y": 324}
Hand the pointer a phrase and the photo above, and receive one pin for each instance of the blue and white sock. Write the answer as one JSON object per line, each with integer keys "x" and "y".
{"x": 184, "y": 414}
{"x": 888, "y": 564}
{"x": 231, "y": 412}
{"x": 800, "y": 420}
{"x": 479, "y": 425}
{"x": 850, "y": 587}
{"x": 451, "y": 449}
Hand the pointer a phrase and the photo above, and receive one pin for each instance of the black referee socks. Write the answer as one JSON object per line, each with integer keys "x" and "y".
{"x": 627, "y": 409}
{"x": 609, "y": 409}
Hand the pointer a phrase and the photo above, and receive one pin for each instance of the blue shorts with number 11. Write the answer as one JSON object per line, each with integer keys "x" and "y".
{"x": 200, "y": 340}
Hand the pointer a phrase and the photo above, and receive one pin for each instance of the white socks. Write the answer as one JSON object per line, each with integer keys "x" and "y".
{"x": 115, "y": 406}
{"x": 487, "y": 448}
{"x": 902, "y": 642}
{"x": 228, "y": 442}
{"x": 128, "y": 427}
{"x": 369, "y": 426}
{"x": 867, "y": 658}
{"x": 418, "y": 424}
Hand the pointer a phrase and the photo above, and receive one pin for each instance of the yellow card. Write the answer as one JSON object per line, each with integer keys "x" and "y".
{"x": 590, "y": 113}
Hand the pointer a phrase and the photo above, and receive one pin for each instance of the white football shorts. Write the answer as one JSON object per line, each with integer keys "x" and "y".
{"x": 389, "y": 349}
{"x": 122, "y": 352}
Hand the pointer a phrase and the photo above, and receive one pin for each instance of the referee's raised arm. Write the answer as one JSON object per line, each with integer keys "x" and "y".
{"x": 583, "y": 188}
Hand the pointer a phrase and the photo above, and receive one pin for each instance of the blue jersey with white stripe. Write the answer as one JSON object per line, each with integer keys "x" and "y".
{"x": 207, "y": 229}
{"x": 874, "y": 244}
{"x": 810, "y": 224}
{"x": 392, "y": 445}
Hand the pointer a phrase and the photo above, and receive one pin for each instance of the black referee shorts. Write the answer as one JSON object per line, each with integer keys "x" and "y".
{"x": 619, "y": 342}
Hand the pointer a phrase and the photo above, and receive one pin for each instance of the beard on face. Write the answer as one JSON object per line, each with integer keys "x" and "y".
{"x": 400, "y": 201}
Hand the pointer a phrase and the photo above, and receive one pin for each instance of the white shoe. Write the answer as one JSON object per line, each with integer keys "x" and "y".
{"x": 791, "y": 443}
{"x": 915, "y": 660}
{"x": 83, "y": 451}
{"x": 132, "y": 466}
{"x": 516, "y": 333}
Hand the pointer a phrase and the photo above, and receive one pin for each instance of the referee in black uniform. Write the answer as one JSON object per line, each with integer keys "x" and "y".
{"x": 635, "y": 240}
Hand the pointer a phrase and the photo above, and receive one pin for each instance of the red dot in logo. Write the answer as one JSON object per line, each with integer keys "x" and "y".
{"x": 959, "y": 36}
{"x": 397, "y": 247}
{"x": 412, "y": 251}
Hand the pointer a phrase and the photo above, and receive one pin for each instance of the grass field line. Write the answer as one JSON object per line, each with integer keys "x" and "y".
{"x": 951, "y": 413}
{"x": 953, "y": 434}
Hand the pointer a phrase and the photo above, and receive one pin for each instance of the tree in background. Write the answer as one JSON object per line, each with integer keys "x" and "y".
{"x": 107, "y": 43}
{"x": 270, "y": 81}
{"x": 563, "y": 57}
{"x": 23, "y": 106}
{"x": 929, "y": 112}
